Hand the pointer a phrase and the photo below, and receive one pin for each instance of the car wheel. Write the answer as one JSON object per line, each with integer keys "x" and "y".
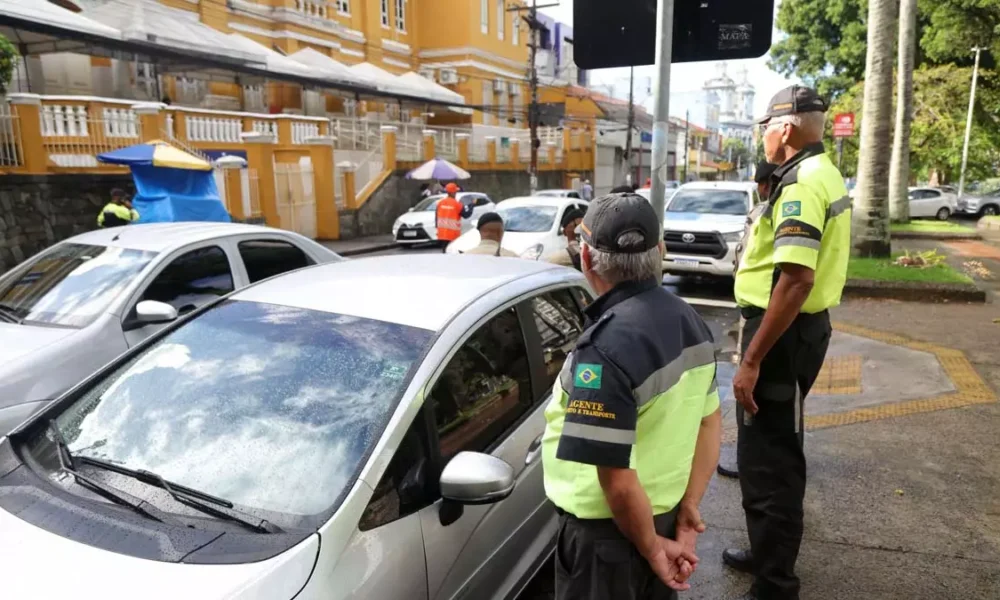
{"x": 943, "y": 214}
{"x": 991, "y": 210}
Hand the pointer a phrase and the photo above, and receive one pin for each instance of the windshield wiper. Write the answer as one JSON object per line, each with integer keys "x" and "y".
{"x": 68, "y": 464}
{"x": 8, "y": 315}
{"x": 193, "y": 498}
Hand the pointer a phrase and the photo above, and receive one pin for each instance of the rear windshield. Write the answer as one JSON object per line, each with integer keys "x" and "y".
{"x": 69, "y": 285}
{"x": 718, "y": 202}
{"x": 270, "y": 407}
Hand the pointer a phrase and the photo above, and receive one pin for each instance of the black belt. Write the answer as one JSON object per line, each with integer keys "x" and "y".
{"x": 752, "y": 312}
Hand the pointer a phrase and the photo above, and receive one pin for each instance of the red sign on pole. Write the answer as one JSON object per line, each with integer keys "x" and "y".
{"x": 843, "y": 125}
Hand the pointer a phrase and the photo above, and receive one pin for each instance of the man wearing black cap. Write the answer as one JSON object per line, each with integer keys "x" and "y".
{"x": 490, "y": 228}
{"x": 791, "y": 272}
{"x": 633, "y": 428}
{"x": 570, "y": 255}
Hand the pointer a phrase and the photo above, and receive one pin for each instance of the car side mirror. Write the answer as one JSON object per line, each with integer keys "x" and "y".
{"x": 475, "y": 478}
{"x": 410, "y": 209}
{"x": 154, "y": 311}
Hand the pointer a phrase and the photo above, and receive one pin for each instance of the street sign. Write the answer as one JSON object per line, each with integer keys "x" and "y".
{"x": 623, "y": 33}
{"x": 843, "y": 125}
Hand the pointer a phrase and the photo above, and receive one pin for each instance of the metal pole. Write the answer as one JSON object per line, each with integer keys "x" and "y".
{"x": 968, "y": 124}
{"x": 631, "y": 124}
{"x": 687, "y": 143}
{"x": 840, "y": 154}
{"x": 661, "y": 112}
{"x": 533, "y": 110}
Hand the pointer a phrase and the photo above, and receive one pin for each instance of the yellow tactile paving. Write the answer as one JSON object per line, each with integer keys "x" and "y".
{"x": 970, "y": 387}
{"x": 840, "y": 375}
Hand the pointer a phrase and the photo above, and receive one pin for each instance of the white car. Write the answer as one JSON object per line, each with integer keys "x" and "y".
{"x": 981, "y": 205}
{"x": 703, "y": 223}
{"x": 934, "y": 202}
{"x": 419, "y": 224}
{"x": 325, "y": 435}
{"x": 559, "y": 193}
{"x": 75, "y": 306}
{"x": 531, "y": 226}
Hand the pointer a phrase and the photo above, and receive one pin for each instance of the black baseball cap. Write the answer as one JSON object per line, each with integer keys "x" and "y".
{"x": 609, "y": 217}
{"x": 793, "y": 100}
{"x": 764, "y": 171}
{"x": 569, "y": 216}
{"x": 487, "y": 218}
{"x": 118, "y": 193}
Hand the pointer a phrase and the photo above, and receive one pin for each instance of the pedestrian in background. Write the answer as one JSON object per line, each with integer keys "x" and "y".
{"x": 587, "y": 191}
{"x": 448, "y": 213}
{"x": 491, "y": 229}
{"x": 117, "y": 212}
{"x": 633, "y": 428}
{"x": 792, "y": 271}
{"x": 570, "y": 255}
{"x": 762, "y": 176}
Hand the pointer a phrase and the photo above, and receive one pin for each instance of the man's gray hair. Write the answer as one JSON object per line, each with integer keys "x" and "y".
{"x": 619, "y": 267}
{"x": 810, "y": 123}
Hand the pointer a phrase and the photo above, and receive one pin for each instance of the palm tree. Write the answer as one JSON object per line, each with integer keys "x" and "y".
{"x": 870, "y": 227}
{"x": 899, "y": 170}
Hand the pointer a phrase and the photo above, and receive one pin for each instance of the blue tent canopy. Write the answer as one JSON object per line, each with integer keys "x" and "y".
{"x": 165, "y": 195}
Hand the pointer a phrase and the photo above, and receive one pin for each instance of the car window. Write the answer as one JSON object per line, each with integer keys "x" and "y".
{"x": 559, "y": 324}
{"x": 467, "y": 200}
{"x": 69, "y": 284}
{"x": 192, "y": 279}
{"x": 528, "y": 219}
{"x": 573, "y": 195}
{"x": 709, "y": 201}
{"x": 582, "y": 297}
{"x": 484, "y": 389}
{"x": 932, "y": 194}
{"x": 266, "y": 258}
{"x": 482, "y": 200}
{"x": 428, "y": 203}
{"x": 403, "y": 489}
{"x": 271, "y": 407}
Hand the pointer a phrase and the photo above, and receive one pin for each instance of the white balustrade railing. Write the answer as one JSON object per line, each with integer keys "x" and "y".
{"x": 11, "y": 152}
{"x": 213, "y": 129}
{"x": 120, "y": 123}
{"x": 269, "y": 127}
{"x": 478, "y": 152}
{"x": 73, "y": 136}
{"x": 303, "y": 131}
{"x": 64, "y": 121}
{"x": 367, "y": 171}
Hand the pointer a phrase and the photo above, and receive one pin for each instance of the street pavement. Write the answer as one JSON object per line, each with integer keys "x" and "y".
{"x": 903, "y": 499}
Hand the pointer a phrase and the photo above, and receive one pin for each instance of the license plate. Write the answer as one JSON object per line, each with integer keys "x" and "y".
{"x": 686, "y": 262}
{"x": 409, "y": 234}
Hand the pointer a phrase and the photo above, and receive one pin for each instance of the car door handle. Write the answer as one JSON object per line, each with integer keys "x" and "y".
{"x": 533, "y": 451}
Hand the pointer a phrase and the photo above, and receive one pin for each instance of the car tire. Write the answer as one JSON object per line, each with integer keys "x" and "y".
{"x": 990, "y": 210}
{"x": 943, "y": 214}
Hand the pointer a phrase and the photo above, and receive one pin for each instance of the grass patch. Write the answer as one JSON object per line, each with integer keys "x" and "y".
{"x": 992, "y": 218}
{"x": 879, "y": 269}
{"x": 930, "y": 227}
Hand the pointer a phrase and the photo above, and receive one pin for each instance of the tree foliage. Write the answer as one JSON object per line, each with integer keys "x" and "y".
{"x": 736, "y": 152}
{"x": 940, "y": 102}
{"x": 8, "y": 63}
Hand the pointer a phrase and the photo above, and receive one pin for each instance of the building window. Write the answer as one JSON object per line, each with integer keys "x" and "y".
{"x": 385, "y": 13}
{"x": 344, "y": 7}
{"x": 484, "y": 15}
{"x": 401, "y": 15}
{"x": 487, "y": 102}
{"x": 515, "y": 33}
{"x": 501, "y": 21}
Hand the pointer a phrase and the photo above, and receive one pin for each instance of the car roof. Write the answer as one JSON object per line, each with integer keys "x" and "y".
{"x": 555, "y": 191}
{"x": 423, "y": 291}
{"x": 743, "y": 186}
{"x": 538, "y": 201}
{"x": 458, "y": 194}
{"x": 159, "y": 237}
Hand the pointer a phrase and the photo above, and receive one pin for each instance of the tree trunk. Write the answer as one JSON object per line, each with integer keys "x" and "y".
{"x": 899, "y": 171}
{"x": 870, "y": 227}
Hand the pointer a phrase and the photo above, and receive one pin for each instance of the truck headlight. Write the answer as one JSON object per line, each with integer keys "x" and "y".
{"x": 735, "y": 236}
{"x": 533, "y": 253}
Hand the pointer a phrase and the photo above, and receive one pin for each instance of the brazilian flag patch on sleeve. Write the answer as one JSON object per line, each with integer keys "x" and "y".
{"x": 588, "y": 376}
{"x": 792, "y": 208}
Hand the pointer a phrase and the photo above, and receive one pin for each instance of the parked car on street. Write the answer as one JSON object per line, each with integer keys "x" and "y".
{"x": 402, "y": 429}
{"x": 559, "y": 193}
{"x": 70, "y": 309}
{"x": 419, "y": 224}
{"x": 934, "y": 202}
{"x": 531, "y": 226}
{"x": 703, "y": 223}
{"x": 980, "y": 205}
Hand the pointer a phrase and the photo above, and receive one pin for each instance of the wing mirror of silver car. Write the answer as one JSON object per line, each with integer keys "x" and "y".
{"x": 154, "y": 311}
{"x": 475, "y": 478}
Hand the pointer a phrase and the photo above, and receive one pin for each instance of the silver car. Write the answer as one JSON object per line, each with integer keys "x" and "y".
{"x": 329, "y": 433}
{"x": 70, "y": 309}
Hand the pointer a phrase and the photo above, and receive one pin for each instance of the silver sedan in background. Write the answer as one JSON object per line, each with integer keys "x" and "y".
{"x": 72, "y": 308}
{"x": 326, "y": 434}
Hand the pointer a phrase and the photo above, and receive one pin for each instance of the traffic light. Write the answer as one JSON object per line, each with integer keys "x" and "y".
{"x": 622, "y": 33}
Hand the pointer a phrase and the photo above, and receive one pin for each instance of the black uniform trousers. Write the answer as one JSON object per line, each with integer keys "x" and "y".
{"x": 595, "y": 561}
{"x": 772, "y": 465}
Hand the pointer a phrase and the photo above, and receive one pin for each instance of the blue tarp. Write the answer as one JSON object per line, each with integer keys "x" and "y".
{"x": 169, "y": 195}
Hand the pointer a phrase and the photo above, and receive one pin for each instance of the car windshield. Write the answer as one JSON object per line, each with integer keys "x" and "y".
{"x": 270, "y": 407}
{"x": 428, "y": 203}
{"x": 528, "y": 219}
{"x": 709, "y": 201}
{"x": 69, "y": 285}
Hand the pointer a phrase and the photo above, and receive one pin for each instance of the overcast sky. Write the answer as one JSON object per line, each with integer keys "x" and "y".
{"x": 686, "y": 78}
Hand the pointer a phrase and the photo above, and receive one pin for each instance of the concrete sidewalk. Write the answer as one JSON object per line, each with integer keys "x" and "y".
{"x": 362, "y": 245}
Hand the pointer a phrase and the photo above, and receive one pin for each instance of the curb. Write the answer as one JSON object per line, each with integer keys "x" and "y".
{"x": 988, "y": 225}
{"x": 366, "y": 249}
{"x": 934, "y": 235}
{"x": 914, "y": 291}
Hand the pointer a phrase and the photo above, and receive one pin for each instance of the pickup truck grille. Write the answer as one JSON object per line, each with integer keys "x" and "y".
{"x": 703, "y": 244}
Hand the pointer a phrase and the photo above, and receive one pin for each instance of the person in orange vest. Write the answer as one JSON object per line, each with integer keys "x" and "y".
{"x": 449, "y": 216}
